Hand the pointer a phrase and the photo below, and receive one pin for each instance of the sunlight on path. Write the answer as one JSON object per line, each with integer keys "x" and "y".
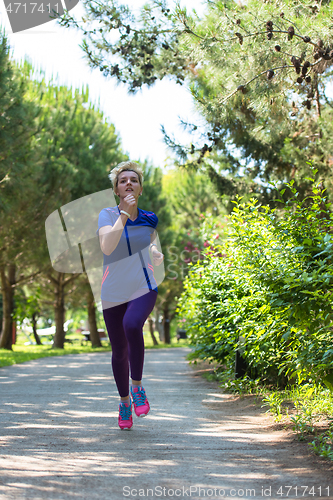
{"x": 60, "y": 438}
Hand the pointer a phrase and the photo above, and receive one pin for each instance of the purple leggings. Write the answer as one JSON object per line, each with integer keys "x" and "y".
{"x": 124, "y": 325}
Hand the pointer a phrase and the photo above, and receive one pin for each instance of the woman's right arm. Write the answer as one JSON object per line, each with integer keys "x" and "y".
{"x": 109, "y": 236}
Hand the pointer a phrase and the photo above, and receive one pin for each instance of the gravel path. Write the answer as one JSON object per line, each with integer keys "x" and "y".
{"x": 60, "y": 438}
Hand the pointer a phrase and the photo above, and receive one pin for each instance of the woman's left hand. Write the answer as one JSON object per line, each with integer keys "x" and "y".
{"x": 157, "y": 257}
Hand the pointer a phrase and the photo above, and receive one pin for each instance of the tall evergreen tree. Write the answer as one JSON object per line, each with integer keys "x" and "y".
{"x": 18, "y": 217}
{"x": 68, "y": 152}
{"x": 258, "y": 72}
{"x": 77, "y": 146}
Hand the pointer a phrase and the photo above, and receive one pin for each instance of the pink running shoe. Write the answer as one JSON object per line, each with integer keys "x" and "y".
{"x": 140, "y": 401}
{"x": 125, "y": 420}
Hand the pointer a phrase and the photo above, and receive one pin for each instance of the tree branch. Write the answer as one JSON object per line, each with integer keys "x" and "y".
{"x": 71, "y": 279}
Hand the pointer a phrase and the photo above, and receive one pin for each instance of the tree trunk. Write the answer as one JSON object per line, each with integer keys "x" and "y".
{"x": 166, "y": 323}
{"x": 158, "y": 325}
{"x": 94, "y": 335}
{"x": 1, "y": 310}
{"x": 7, "y": 283}
{"x": 151, "y": 329}
{"x": 34, "y": 328}
{"x": 59, "y": 306}
{"x": 59, "y": 312}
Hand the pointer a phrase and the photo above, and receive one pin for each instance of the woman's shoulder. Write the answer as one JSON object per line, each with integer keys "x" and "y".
{"x": 148, "y": 217}
{"x": 108, "y": 216}
{"x": 109, "y": 211}
{"x": 146, "y": 212}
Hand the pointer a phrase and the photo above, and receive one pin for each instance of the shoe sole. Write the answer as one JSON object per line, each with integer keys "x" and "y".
{"x": 142, "y": 414}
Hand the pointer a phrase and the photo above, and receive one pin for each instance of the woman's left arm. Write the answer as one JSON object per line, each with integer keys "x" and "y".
{"x": 156, "y": 255}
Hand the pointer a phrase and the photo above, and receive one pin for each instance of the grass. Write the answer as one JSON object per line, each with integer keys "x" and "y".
{"x": 22, "y": 353}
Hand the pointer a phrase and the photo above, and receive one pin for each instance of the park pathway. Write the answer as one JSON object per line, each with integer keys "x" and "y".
{"x": 60, "y": 438}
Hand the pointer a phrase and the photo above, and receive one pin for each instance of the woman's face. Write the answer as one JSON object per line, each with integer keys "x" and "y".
{"x": 128, "y": 183}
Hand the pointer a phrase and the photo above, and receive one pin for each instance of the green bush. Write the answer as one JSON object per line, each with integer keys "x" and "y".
{"x": 266, "y": 290}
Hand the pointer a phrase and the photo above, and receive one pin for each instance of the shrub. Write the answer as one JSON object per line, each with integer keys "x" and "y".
{"x": 266, "y": 290}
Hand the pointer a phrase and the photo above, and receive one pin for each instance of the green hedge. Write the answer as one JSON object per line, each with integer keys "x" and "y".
{"x": 269, "y": 295}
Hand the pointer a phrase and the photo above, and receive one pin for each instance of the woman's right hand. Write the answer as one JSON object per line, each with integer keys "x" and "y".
{"x": 129, "y": 203}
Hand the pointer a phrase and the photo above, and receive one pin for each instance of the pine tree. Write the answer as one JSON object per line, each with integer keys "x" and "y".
{"x": 258, "y": 73}
{"x": 77, "y": 146}
{"x": 17, "y": 218}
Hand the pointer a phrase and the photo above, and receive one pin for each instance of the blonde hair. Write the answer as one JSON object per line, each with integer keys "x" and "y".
{"x": 122, "y": 167}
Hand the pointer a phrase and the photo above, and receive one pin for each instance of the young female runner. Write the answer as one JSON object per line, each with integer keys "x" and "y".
{"x": 129, "y": 290}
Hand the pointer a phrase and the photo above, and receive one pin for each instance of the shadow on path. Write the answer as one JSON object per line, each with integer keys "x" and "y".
{"x": 60, "y": 438}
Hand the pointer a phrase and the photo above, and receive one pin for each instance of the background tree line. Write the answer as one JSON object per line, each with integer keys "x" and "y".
{"x": 56, "y": 147}
{"x": 259, "y": 74}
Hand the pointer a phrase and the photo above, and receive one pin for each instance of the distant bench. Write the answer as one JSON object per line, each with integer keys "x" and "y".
{"x": 181, "y": 334}
{"x": 101, "y": 333}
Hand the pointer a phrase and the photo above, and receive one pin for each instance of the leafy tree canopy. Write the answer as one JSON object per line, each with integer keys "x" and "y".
{"x": 258, "y": 71}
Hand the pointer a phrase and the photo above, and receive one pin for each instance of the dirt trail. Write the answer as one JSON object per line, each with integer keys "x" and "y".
{"x": 60, "y": 438}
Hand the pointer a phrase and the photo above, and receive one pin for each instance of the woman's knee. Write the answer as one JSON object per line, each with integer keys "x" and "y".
{"x": 133, "y": 330}
{"x": 119, "y": 355}
{"x": 119, "y": 349}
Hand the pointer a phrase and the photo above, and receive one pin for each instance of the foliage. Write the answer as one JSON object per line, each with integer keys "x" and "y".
{"x": 75, "y": 145}
{"x": 269, "y": 296}
{"x": 274, "y": 400}
{"x": 262, "y": 90}
{"x": 323, "y": 445}
{"x": 259, "y": 73}
{"x": 306, "y": 407}
{"x": 26, "y": 304}
{"x": 191, "y": 197}
{"x": 20, "y": 201}
{"x": 63, "y": 149}
{"x": 16, "y": 125}
{"x": 136, "y": 50}
{"x": 188, "y": 196}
